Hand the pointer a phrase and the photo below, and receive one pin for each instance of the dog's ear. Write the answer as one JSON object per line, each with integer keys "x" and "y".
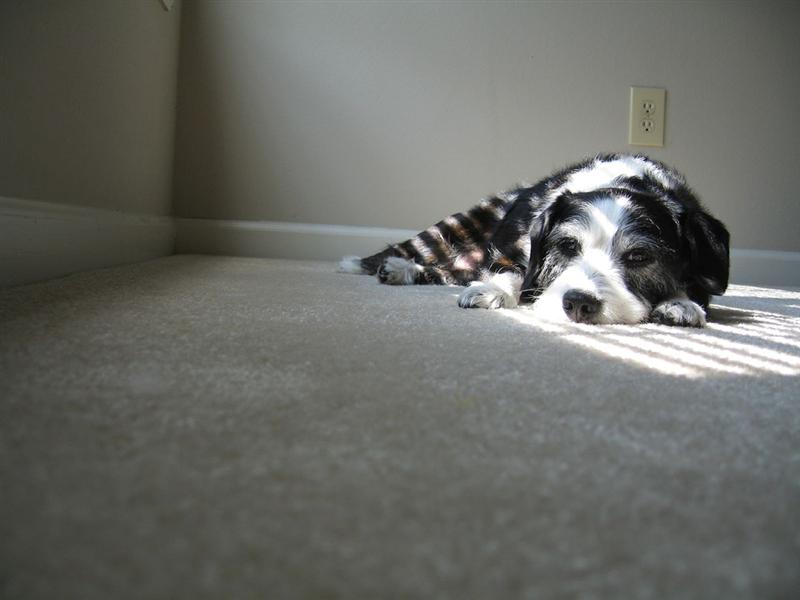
{"x": 707, "y": 251}
{"x": 540, "y": 229}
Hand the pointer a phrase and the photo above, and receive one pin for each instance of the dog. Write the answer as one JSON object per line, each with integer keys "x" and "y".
{"x": 615, "y": 239}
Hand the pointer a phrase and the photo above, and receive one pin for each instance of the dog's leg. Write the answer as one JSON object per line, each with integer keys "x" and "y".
{"x": 368, "y": 265}
{"x": 499, "y": 290}
{"x": 401, "y": 271}
{"x": 679, "y": 311}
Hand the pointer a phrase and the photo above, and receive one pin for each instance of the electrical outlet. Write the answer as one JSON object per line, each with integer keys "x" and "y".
{"x": 647, "y": 116}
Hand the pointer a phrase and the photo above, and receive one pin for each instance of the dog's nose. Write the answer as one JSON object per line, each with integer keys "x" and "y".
{"x": 581, "y": 307}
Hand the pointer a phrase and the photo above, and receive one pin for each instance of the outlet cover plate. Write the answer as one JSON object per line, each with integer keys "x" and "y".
{"x": 647, "y": 110}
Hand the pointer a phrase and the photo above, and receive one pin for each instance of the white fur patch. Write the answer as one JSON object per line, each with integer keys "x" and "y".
{"x": 420, "y": 247}
{"x": 499, "y": 291}
{"x": 600, "y": 174}
{"x": 605, "y": 217}
{"x": 351, "y": 264}
{"x": 400, "y": 271}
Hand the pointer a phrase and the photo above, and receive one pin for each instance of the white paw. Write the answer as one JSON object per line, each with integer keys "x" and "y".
{"x": 679, "y": 311}
{"x": 399, "y": 271}
{"x": 486, "y": 294}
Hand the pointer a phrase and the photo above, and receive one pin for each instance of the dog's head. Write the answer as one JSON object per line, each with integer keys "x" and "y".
{"x": 612, "y": 255}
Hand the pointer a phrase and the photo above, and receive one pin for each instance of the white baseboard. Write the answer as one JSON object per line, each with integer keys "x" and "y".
{"x": 331, "y": 242}
{"x": 282, "y": 240}
{"x": 42, "y": 240}
{"x": 765, "y": 267}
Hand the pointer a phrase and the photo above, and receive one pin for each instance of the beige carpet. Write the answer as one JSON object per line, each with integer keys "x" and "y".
{"x": 207, "y": 427}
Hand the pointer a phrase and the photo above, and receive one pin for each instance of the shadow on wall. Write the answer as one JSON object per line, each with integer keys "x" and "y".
{"x": 737, "y": 341}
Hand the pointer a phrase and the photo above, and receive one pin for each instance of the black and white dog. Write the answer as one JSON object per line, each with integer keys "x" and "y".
{"x": 614, "y": 239}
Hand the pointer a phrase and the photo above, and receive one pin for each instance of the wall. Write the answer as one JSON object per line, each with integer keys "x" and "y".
{"x": 87, "y": 119}
{"x": 87, "y": 102}
{"x": 395, "y": 114}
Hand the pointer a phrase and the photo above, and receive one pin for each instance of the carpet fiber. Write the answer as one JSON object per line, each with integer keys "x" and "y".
{"x": 209, "y": 427}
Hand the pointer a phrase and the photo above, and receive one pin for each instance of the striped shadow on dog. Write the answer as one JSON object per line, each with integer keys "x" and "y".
{"x": 614, "y": 239}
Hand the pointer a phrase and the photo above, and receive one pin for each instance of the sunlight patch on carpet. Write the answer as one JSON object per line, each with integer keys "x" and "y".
{"x": 743, "y": 343}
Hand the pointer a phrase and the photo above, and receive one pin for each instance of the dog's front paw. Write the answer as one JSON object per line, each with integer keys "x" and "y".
{"x": 485, "y": 295}
{"x": 680, "y": 312}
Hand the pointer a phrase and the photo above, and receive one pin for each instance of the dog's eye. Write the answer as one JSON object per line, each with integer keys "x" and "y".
{"x": 569, "y": 246}
{"x": 637, "y": 258}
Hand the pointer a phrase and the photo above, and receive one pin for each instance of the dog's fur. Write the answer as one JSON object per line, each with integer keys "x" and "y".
{"x": 614, "y": 239}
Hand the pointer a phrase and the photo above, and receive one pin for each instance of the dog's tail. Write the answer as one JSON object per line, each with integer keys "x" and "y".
{"x": 441, "y": 243}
